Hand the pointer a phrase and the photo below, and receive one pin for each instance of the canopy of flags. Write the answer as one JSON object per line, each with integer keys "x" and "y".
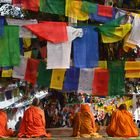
{"x": 69, "y": 55}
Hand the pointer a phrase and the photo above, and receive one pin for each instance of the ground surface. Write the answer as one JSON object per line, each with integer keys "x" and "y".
{"x": 65, "y": 134}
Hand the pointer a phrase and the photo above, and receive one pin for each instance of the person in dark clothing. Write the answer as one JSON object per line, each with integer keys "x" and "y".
{"x": 17, "y": 126}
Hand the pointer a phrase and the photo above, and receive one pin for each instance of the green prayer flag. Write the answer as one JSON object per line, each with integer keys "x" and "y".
{"x": 2, "y": 97}
{"x": 116, "y": 78}
{"x": 89, "y": 7}
{"x": 9, "y": 47}
{"x": 16, "y": 92}
{"x": 44, "y": 75}
{"x": 53, "y": 6}
{"x": 108, "y": 28}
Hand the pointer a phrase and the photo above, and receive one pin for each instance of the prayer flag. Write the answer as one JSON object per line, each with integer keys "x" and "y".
{"x": 71, "y": 79}
{"x": 19, "y": 71}
{"x": 1, "y": 26}
{"x": 85, "y": 81}
{"x": 32, "y": 5}
{"x": 8, "y": 94}
{"x": 31, "y": 70}
{"x": 51, "y": 31}
{"x": 106, "y": 11}
{"x": 86, "y": 49}
{"x": 57, "y": 79}
{"x": 118, "y": 34}
{"x": 53, "y": 6}
{"x": 9, "y": 47}
{"x": 89, "y": 7}
{"x": 73, "y": 10}
{"x": 117, "y": 75}
{"x": 100, "y": 82}
{"x": 44, "y": 76}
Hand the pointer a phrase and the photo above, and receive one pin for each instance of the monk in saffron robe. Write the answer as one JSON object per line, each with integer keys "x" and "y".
{"x": 122, "y": 124}
{"x": 4, "y": 131}
{"x": 33, "y": 122}
{"x": 84, "y": 123}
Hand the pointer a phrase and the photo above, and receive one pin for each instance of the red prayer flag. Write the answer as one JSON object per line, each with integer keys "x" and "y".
{"x": 32, "y": 5}
{"x": 100, "y": 82}
{"x": 52, "y": 31}
{"x": 31, "y": 70}
{"x": 16, "y": 2}
{"x": 106, "y": 11}
{"x": 43, "y": 52}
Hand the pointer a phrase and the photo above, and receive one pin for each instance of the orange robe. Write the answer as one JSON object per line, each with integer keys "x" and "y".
{"x": 33, "y": 123}
{"x": 84, "y": 122}
{"x": 122, "y": 125}
{"x": 4, "y": 131}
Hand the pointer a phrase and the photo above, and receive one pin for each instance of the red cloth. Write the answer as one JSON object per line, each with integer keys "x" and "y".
{"x": 52, "y": 31}
{"x": 100, "y": 82}
{"x": 16, "y": 2}
{"x": 31, "y": 71}
{"x": 4, "y": 131}
{"x": 106, "y": 11}
{"x": 32, "y": 5}
{"x": 43, "y": 52}
{"x": 33, "y": 123}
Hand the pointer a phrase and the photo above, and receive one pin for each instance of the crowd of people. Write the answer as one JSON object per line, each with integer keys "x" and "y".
{"x": 33, "y": 123}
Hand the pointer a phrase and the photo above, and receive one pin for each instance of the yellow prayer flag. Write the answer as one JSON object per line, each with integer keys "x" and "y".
{"x": 7, "y": 73}
{"x": 57, "y": 79}
{"x": 28, "y": 54}
{"x": 119, "y": 34}
{"x": 73, "y": 10}
{"x": 26, "y": 42}
{"x": 132, "y": 65}
{"x": 103, "y": 64}
{"x": 132, "y": 74}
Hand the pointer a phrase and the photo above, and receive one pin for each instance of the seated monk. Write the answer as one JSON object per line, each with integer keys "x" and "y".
{"x": 122, "y": 124}
{"x": 33, "y": 122}
{"x": 4, "y": 131}
{"x": 84, "y": 123}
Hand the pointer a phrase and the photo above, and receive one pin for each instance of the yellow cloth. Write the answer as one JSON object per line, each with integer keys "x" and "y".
{"x": 103, "y": 64}
{"x": 73, "y": 10}
{"x": 132, "y": 74}
{"x": 132, "y": 65}
{"x": 119, "y": 34}
{"x": 128, "y": 45}
{"x": 26, "y": 42}
{"x": 28, "y": 54}
{"x": 57, "y": 79}
{"x": 7, "y": 73}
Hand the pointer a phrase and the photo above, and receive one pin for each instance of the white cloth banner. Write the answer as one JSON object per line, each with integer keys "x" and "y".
{"x": 58, "y": 55}
{"x": 19, "y": 71}
{"x": 23, "y": 33}
{"x": 134, "y": 37}
{"x": 85, "y": 81}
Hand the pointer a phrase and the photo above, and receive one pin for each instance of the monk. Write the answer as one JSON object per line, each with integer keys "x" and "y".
{"x": 84, "y": 123}
{"x": 33, "y": 122}
{"x": 4, "y": 131}
{"x": 122, "y": 124}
